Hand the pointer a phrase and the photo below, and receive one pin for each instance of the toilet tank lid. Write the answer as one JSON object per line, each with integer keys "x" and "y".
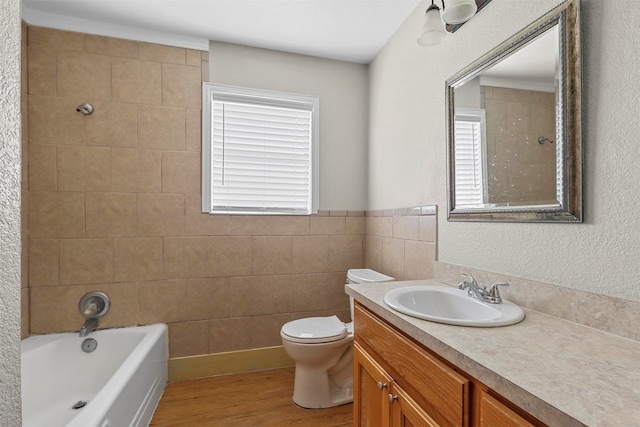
{"x": 366, "y": 275}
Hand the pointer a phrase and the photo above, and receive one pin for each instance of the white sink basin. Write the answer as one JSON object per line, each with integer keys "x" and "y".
{"x": 444, "y": 304}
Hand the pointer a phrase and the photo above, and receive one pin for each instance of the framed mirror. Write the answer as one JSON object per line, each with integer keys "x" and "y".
{"x": 514, "y": 127}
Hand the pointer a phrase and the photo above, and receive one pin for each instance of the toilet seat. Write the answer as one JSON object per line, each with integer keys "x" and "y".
{"x": 314, "y": 330}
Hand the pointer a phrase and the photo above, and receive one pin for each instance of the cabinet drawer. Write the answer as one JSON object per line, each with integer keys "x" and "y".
{"x": 492, "y": 412}
{"x": 441, "y": 391}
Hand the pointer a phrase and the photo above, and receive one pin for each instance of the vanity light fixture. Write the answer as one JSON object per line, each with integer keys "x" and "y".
{"x": 433, "y": 31}
{"x": 454, "y": 14}
{"x": 459, "y": 11}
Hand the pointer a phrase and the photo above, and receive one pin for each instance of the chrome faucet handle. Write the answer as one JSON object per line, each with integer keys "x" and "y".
{"x": 493, "y": 296}
{"x": 469, "y": 282}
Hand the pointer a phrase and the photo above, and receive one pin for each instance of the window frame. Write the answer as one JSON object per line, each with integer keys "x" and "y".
{"x": 220, "y": 92}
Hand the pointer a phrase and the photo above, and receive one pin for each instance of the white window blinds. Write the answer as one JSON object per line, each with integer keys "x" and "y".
{"x": 469, "y": 158}
{"x": 262, "y": 151}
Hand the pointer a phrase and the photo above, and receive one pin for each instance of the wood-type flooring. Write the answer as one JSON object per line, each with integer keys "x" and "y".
{"x": 256, "y": 399}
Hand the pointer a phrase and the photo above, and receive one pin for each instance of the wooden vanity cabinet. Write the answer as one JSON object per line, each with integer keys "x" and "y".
{"x": 371, "y": 383}
{"x": 380, "y": 401}
{"x": 424, "y": 391}
{"x": 492, "y": 412}
{"x": 406, "y": 412}
{"x": 398, "y": 383}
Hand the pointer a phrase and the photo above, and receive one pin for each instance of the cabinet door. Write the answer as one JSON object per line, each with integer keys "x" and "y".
{"x": 441, "y": 391}
{"x": 406, "y": 412}
{"x": 371, "y": 389}
{"x": 492, "y": 413}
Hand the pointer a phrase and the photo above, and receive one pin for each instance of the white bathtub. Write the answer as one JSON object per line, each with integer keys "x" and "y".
{"x": 121, "y": 381}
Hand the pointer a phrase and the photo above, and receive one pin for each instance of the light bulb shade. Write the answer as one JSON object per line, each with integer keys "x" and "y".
{"x": 458, "y": 11}
{"x": 433, "y": 30}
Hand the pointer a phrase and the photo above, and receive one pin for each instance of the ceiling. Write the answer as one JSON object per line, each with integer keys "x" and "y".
{"x": 348, "y": 30}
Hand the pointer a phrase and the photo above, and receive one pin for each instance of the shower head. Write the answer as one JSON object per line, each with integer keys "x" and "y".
{"x": 85, "y": 109}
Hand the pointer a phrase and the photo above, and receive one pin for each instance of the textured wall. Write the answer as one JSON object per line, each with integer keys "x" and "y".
{"x": 10, "y": 213}
{"x": 24, "y": 233}
{"x": 408, "y": 148}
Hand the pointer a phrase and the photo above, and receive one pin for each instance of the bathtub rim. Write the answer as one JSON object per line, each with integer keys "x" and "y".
{"x": 153, "y": 334}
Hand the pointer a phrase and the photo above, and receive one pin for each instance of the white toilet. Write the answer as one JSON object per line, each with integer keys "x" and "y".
{"x": 322, "y": 348}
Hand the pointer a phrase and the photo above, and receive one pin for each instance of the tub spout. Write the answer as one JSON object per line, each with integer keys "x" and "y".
{"x": 89, "y": 326}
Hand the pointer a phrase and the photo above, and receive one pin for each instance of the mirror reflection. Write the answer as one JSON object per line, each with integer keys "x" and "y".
{"x": 505, "y": 130}
{"x": 514, "y": 127}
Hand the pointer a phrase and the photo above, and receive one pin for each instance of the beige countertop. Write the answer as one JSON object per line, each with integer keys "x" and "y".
{"x": 563, "y": 373}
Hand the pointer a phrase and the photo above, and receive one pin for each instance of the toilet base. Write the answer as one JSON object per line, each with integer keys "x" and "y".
{"x": 336, "y": 402}
{"x": 316, "y": 388}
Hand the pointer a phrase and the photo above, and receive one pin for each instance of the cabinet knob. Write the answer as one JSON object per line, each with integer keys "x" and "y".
{"x": 381, "y": 385}
{"x": 392, "y": 397}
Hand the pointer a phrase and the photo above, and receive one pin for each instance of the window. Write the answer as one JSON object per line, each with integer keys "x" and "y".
{"x": 470, "y": 155}
{"x": 259, "y": 151}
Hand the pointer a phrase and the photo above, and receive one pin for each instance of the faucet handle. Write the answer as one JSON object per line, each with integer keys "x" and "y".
{"x": 494, "y": 294}
{"x": 469, "y": 281}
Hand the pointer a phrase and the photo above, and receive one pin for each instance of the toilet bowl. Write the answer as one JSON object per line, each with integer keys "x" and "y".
{"x": 322, "y": 348}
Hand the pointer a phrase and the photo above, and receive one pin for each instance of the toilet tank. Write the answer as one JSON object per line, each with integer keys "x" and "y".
{"x": 364, "y": 275}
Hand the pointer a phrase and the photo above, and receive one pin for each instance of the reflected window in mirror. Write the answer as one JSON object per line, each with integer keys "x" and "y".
{"x": 471, "y": 156}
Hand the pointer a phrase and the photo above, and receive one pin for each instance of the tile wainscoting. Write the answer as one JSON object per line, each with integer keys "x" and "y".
{"x": 402, "y": 242}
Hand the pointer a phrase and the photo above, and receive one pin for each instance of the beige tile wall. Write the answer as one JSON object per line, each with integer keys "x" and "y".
{"x": 520, "y": 168}
{"x": 114, "y": 205}
{"x": 402, "y": 242}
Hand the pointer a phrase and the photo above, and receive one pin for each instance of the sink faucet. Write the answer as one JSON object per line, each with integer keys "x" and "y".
{"x": 473, "y": 290}
{"x": 491, "y": 295}
{"x": 89, "y": 326}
